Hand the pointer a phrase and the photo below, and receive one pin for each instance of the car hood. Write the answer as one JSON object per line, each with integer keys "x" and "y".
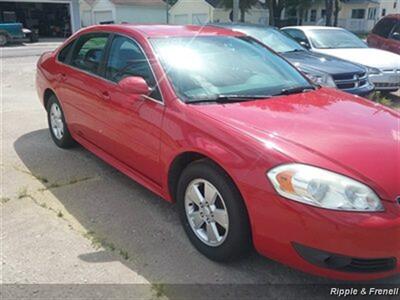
{"x": 326, "y": 128}
{"x": 366, "y": 56}
{"x": 321, "y": 63}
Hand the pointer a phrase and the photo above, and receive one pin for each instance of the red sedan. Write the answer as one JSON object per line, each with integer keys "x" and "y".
{"x": 252, "y": 152}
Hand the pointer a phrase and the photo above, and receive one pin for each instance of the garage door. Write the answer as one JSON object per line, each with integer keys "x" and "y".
{"x": 105, "y": 16}
{"x": 200, "y": 19}
{"x": 181, "y": 19}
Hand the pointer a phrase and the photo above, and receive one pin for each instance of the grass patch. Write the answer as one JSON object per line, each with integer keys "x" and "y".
{"x": 124, "y": 254}
{"x": 22, "y": 193}
{"x": 386, "y": 100}
{"x": 4, "y": 200}
{"x": 100, "y": 242}
{"x": 158, "y": 289}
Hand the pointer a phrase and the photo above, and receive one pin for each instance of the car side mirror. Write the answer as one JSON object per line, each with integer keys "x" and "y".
{"x": 305, "y": 44}
{"x": 396, "y": 36}
{"x": 135, "y": 85}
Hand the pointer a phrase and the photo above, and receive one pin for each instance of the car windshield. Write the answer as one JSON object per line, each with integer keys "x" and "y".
{"x": 206, "y": 67}
{"x": 273, "y": 38}
{"x": 334, "y": 38}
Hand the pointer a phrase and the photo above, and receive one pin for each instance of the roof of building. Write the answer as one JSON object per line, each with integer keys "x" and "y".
{"x": 140, "y": 2}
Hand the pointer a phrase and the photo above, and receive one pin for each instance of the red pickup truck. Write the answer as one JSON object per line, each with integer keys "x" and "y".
{"x": 386, "y": 34}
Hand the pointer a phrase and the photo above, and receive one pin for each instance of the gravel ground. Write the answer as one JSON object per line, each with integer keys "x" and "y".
{"x": 69, "y": 218}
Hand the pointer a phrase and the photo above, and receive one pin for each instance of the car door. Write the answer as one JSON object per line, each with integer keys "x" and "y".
{"x": 80, "y": 86}
{"x": 131, "y": 124}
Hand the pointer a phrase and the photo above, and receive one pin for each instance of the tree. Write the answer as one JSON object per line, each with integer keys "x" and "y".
{"x": 244, "y": 6}
{"x": 275, "y": 8}
{"x": 336, "y": 12}
{"x": 328, "y": 12}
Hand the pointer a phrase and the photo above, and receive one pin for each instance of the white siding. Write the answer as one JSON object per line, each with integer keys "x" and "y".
{"x": 99, "y": 12}
{"x": 141, "y": 14}
{"x": 187, "y": 10}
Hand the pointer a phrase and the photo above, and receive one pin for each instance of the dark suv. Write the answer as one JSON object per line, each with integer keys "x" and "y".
{"x": 322, "y": 69}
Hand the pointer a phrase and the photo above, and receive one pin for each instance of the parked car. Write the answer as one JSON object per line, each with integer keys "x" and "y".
{"x": 252, "y": 152}
{"x": 10, "y": 32}
{"x": 14, "y": 32}
{"x": 383, "y": 66}
{"x": 386, "y": 34}
{"x": 322, "y": 69}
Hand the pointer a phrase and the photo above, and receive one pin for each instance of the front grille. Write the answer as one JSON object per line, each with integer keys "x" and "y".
{"x": 348, "y": 81}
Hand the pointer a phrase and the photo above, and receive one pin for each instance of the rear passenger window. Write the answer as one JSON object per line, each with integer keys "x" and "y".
{"x": 63, "y": 55}
{"x": 88, "y": 52}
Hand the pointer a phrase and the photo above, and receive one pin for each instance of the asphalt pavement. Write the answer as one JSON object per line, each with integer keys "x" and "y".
{"x": 68, "y": 218}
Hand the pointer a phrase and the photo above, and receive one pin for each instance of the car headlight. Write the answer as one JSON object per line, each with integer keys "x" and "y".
{"x": 322, "y": 188}
{"x": 373, "y": 71}
{"x": 321, "y": 79}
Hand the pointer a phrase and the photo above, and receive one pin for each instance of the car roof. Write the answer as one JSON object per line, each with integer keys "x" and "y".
{"x": 392, "y": 16}
{"x": 310, "y": 27}
{"x": 239, "y": 24}
{"x": 150, "y": 31}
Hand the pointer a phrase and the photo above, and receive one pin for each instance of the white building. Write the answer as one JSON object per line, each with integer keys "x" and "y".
{"x": 119, "y": 11}
{"x": 205, "y": 11}
{"x": 354, "y": 15}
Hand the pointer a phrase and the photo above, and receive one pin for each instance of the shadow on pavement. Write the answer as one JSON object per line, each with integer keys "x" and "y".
{"x": 140, "y": 228}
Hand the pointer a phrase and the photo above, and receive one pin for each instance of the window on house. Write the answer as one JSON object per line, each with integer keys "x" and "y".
{"x": 372, "y": 13}
{"x": 313, "y": 16}
{"x": 306, "y": 16}
{"x": 323, "y": 13}
{"x": 358, "y": 13}
{"x": 383, "y": 12}
{"x": 395, "y": 4}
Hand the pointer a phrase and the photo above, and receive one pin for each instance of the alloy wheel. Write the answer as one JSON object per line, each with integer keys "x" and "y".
{"x": 56, "y": 121}
{"x": 206, "y": 212}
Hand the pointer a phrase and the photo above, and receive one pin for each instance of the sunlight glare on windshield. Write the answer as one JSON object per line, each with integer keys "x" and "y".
{"x": 182, "y": 57}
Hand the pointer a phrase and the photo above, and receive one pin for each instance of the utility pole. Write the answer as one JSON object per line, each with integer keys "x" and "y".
{"x": 235, "y": 11}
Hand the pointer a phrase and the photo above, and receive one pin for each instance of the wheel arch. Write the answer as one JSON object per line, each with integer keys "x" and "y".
{"x": 181, "y": 161}
{"x": 46, "y": 96}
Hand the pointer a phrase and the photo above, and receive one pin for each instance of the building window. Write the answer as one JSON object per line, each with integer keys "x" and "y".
{"x": 358, "y": 13}
{"x": 395, "y": 5}
{"x": 306, "y": 16}
{"x": 313, "y": 16}
{"x": 323, "y": 13}
{"x": 383, "y": 12}
{"x": 372, "y": 13}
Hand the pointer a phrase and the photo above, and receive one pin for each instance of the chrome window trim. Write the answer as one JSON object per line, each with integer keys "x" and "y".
{"x": 162, "y": 102}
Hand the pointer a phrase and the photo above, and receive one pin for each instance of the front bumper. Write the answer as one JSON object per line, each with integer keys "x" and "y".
{"x": 361, "y": 91}
{"x": 387, "y": 80}
{"x": 364, "y": 237}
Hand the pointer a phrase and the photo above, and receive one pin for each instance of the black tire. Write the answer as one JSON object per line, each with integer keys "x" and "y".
{"x": 66, "y": 141}
{"x": 3, "y": 39}
{"x": 238, "y": 239}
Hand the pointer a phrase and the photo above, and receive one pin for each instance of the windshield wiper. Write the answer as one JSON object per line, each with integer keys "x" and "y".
{"x": 228, "y": 98}
{"x": 296, "y": 90}
{"x": 294, "y": 50}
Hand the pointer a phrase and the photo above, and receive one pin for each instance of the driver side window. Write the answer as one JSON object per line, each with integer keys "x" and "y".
{"x": 127, "y": 59}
